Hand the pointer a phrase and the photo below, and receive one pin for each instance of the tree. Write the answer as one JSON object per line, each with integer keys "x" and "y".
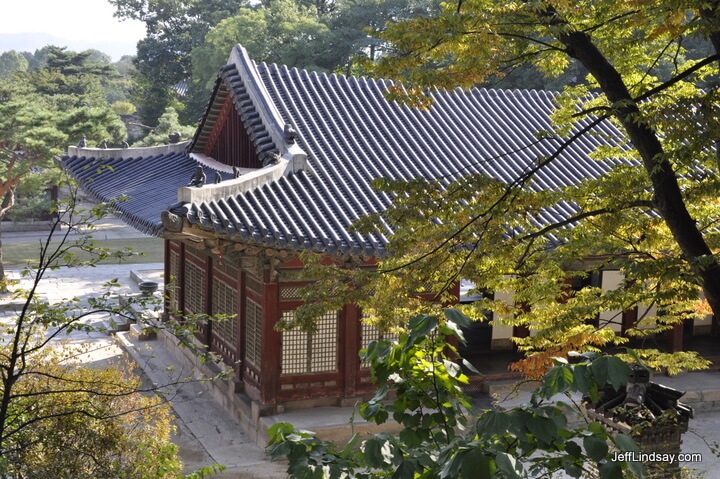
{"x": 353, "y": 21}
{"x": 652, "y": 215}
{"x": 420, "y": 386}
{"x": 168, "y": 125}
{"x": 59, "y": 418}
{"x": 43, "y": 110}
{"x": 101, "y": 426}
{"x": 174, "y": 28}
{"x": 56, "y": 415}
{"x": 282, "y": 32}
{"x": 11, "y": 62}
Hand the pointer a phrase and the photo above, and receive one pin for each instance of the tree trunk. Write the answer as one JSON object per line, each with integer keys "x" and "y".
{"x": 668, "y": 196}
{"x": 7, "y": 203}
{"x": 3, "y": 282}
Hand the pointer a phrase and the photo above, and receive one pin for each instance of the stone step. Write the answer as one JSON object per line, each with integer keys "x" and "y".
{"x": 142, "y": 333}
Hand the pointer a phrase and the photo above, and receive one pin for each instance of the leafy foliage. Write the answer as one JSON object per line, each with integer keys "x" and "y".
{"x": 42, "y": 110}
{"x": 12, "y": 62}
{"x": 173, "y": 28}
{"x": 100, "y": 426}
{"x": 316, "y": 35}
{"x": 442, "y": 436}
{"x": 651, "y": 69}
{"x": 168, "y": 124}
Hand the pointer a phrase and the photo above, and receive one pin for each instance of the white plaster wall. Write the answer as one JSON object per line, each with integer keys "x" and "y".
{"x": 501, "y": 330}
{"x": 609, "y": 281}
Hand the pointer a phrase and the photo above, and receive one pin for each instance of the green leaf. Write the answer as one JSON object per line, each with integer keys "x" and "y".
{"x": 406, "y": 470}
{"x": 573, "y": 449}
{"x": 596, "y": 428}
{"x": 518, "y": 419}
{"x": 493, "y": 423}
{"x": 610, "y": 370}
{"x": 420, "y": 326}
{"x": 581, "y": 379}
{"x": 410, "y": 437}
{"x": 626, "y": 443}
{"x": 544, "y": 429}
{"x": 573, "y": 470}
{"x": 455, "y": 316}
{"x": 610, "y": 470}
{"x": 350, "y": 446}
{"x": 476, "y": 465}
{"x": 379, "y": 452}
{"x": 595, "y": 447}
{"x": 558, "y": 379}
{"x": 509, "y": 465}
{"x": 373, "y": 452}
{"x": 638, "y": 468}
{"x": 451, "y": 467}
{"x": 280, "y": 429}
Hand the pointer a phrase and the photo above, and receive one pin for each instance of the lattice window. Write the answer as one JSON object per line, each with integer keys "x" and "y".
{"x": 316, "y": 352}
{"x": 174, "y": 290}
{"x": 290, "y": 292}
{"x": 194, "y": 288}
{"x": 253, "y": 332}
{"x": 224, "y": 302}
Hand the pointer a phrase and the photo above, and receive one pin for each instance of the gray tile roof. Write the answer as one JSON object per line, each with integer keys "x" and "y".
{"x": 352, "y": 135}
{"x": 148, "y": 184}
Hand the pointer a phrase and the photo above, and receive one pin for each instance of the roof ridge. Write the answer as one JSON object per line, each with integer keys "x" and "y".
{"x": 271, "y": 117}
{"x": 130, "y": 152}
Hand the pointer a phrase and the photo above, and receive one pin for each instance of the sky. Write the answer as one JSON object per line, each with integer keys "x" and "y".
{"x": 77, "y": 24}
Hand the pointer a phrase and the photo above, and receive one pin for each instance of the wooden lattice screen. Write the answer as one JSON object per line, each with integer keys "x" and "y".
{"x": 224, "y": 302}
{"x": 304, "y": 352}
{"x": 194, "y": 289}
{"x": 253, "y": 332}
{"x": 174, "y": 290}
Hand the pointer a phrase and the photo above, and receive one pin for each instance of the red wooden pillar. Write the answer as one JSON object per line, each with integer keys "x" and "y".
{"x": 349, "y": 345}
{"x": 166, "y": 275}
{"x": 271, "y": 344}
{"x": 674, "y": 338}
{"x": 240, "y": 323}
{"x": 181, "y": 280}
{"x": 521, "y": 331}
{"x": 629, "y": 318}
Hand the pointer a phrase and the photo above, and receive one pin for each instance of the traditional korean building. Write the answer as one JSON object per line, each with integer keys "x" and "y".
{"x": 283, "y": 161}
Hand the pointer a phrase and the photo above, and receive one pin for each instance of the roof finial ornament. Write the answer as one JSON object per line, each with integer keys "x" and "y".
{"x": 125, "y": 144}
{"x": 174, "y": 137}
{"x": 218, "y": 177}
{"x": 236, "y": 172}
{"x": 290, "y": 133}
{"x": 83, "y": 142}
{"x": 198, "y": 178}
{"x": 270, "y": 158}
{"x": 103, "y": 145}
